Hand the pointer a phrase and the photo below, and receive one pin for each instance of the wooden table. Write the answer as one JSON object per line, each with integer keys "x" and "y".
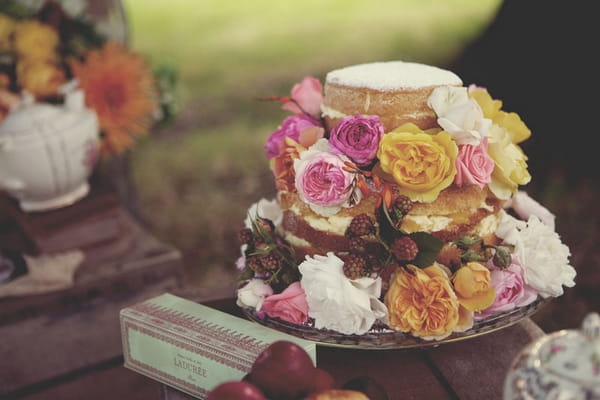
{"x": 469, "y": 369}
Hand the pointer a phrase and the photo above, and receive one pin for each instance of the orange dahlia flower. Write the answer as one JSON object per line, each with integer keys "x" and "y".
{"x": 120, "y": 87}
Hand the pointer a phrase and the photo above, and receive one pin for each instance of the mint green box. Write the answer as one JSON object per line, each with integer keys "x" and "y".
{"x": 192, "y": 347}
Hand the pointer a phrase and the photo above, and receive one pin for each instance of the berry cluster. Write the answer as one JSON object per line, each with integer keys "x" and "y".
{"x": 267, "y": 254}
{"x": 358, "y": 262}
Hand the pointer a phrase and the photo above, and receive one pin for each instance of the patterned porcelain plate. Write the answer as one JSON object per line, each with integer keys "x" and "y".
{"x": 381, "y": 337}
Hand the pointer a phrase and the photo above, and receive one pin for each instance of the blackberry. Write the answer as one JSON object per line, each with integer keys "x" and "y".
{"x": 404, "y": 248}
{"x": 270, "y": 262}
{"x": 355, "y": 266}
{"x": 357, "y": 245}
{"x": 255, "y": 265}
{"x": 245, "y": 236}
{"x": 402, "y": 204}
{"x": 361, "y": 225}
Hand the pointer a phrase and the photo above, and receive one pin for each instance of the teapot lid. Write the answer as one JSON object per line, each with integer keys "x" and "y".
{"x": 29, "y": 116}
{"x": 560, "y": 365}
{"x": 575, "y": 354}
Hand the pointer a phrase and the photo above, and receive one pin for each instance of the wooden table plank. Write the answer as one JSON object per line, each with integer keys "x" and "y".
{"x": 111, "y": 381}
{"x": 484, "y": 359}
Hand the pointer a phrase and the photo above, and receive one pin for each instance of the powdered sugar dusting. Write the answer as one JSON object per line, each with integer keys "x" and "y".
{"x": 392, "y": 75}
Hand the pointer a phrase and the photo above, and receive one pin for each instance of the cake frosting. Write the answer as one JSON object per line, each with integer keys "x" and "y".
{"x": 399, "y": 204}
{"x": 392, "y": 75}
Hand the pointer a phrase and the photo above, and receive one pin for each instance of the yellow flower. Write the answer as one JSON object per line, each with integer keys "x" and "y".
{"x": 472, "y": 284}
{"x": 35, "y": 41}
{"x": 422, "y": 302}
{"x": 41, "y": 78}
{"x": 510, "y": 170}
{"x": 422, "y": 164}
{"x": 510, "y": 121}
{"x": 7, "y": 26}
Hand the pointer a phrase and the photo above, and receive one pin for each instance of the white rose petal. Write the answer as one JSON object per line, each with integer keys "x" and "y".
{"x": 459, "y": 115}
{"x": 545, "y": 259}
{"x": 253, "y": 293}
{"x": 264, "y": 208}
{"x": 336, "y": 302}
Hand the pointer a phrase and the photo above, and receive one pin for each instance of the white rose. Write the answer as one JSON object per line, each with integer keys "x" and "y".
{"x": 459, "y": 115}
{"x": 264, "y": 208}
{"x": 545, "y": 259}
{"x": 253, "y": 293}
{"x": 336, "y": 302}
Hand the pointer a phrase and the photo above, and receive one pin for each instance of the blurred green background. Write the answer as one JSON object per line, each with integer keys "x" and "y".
{"x": 194, "y": 179}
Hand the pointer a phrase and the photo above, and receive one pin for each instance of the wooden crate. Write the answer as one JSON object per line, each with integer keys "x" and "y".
{"x": 69, "y": 341}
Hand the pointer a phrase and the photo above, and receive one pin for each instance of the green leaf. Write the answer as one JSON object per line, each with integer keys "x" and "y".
{"x": 464, "y": 242}
{"x": 471, "y": 255}
{"x": 429, "y": 248}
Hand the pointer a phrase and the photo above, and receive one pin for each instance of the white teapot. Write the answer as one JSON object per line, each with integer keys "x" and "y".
{"x": 47, "y": 152}
{"x": 563, "y": 365}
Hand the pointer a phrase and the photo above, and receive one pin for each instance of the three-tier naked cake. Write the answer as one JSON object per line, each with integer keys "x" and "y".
{"x": 398, "y": 206}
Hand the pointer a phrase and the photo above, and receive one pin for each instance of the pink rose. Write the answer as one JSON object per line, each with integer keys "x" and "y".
{"x": 473, "y": 165}
{"x": 307, "y": 96}
{"x": 358, "y": 138}
{"x": 321, "y": 179}
{"x": 289, "y": 305}
{"x": 511, "y": 289}
{"x": 291, "y": 127}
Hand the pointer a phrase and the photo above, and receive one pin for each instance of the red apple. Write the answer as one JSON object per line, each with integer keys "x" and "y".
{"x": 283, "y": 370}
{"x": 235, "y": 390}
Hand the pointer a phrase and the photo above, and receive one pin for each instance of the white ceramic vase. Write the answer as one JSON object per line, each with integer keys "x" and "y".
{"x": 48, "y": 152}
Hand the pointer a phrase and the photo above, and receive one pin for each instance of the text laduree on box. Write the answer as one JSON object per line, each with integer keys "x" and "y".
{"x": 192, "y": 347}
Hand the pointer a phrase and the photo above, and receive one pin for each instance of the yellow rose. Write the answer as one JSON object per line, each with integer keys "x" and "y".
{"x": 472, "y": 284}
{"x": 35, "y": 41}
{"x": 422, "y": 302}
{"x": 510, "y": 121}
{"x": 7, "y": 26}
{"x": 510, "y": 170}
{"x": 422, "y": 164}
{"x": 40, "y": 78}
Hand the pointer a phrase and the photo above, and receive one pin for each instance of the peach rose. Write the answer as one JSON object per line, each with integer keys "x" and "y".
{"x": 421, "y": 163}
{"x": 289, "y": 305}
{"x": 422, "y": 302}
{"x": 473, "y": 286}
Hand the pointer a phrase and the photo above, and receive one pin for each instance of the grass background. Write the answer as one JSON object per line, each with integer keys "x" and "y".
{"x": 194, "y": 180}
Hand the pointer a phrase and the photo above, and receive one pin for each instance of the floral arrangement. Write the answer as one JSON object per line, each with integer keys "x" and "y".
{"x": 409, "y": 282}
{"x": 47, "y": 51}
